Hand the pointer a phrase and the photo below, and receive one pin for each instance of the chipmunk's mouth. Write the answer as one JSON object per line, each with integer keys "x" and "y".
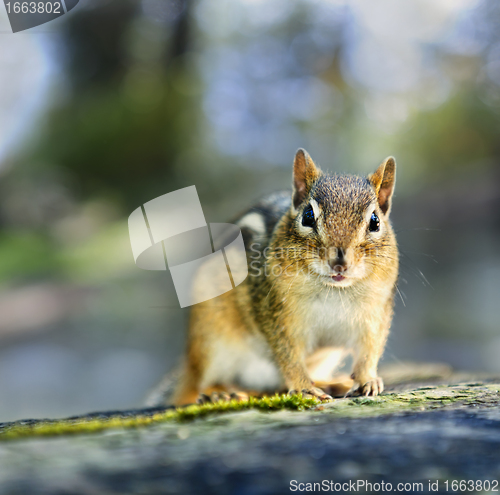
{"x": 333, "y": 278}
{"x": 337, "y": 280}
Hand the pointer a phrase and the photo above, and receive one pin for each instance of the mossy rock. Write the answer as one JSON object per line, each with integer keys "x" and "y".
{"x": 434, "y": 429}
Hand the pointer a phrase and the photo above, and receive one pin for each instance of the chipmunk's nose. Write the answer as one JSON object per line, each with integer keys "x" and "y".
{"x": 339, "y": 263}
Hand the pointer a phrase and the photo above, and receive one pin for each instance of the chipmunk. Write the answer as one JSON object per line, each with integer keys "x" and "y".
{"x": 323, "y": 265}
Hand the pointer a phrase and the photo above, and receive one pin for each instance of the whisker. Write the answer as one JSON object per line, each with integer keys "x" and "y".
{"x": 417, "y": 272}
{"x": 401, "y": 296}
{"x": 417, "y": 228}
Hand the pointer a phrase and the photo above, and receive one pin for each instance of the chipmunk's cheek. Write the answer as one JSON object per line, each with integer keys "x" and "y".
{"x": 362, "y": 271}
{"x": 319, "y": 268}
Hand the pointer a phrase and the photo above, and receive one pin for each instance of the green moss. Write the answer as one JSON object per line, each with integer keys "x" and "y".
{"x": 22, "y": 429}
{"x": 412, "y": 401}
{"x": 391, "y": 403}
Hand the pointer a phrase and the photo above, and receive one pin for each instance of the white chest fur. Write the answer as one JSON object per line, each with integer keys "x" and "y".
{"x": 334, "y": 317}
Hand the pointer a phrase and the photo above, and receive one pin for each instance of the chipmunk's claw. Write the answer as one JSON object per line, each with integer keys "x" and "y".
{"x": 221, "y": 396}
{"x": 309, "y": 393}
{"x": 203, "y": 399}
{"x": 239, "y": 396}
{"x": 371, "y": 388}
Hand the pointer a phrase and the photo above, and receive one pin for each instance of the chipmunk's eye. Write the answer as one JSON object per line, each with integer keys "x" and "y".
{"x": 308, "y": 217}
{"x": 374, "y": 223}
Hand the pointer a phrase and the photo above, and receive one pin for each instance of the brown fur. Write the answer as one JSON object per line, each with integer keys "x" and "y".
{"x": 292, "y": 311}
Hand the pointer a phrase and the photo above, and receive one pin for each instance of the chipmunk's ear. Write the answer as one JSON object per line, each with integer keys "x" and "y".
{"x": 305, "y": 173}
{"x": 383, "y": 180}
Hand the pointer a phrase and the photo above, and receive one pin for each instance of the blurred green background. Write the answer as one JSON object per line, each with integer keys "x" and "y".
{"x": 121, "y": 101}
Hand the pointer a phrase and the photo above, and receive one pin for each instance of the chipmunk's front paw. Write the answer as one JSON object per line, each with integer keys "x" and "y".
{"x": 370, "y": 388}
{"x": 213, "y": 398}
{"x": 221, "y": 396}
{"x": 309, "y": 393}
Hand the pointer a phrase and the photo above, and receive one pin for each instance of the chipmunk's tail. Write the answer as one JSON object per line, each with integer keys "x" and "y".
{"x": 162, "y": 394}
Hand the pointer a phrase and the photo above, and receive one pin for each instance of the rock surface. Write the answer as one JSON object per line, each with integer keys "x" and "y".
{"x": 446, "y": 427}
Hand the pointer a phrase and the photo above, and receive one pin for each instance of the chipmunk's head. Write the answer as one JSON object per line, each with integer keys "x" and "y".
{"x": 343, "y": 220}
